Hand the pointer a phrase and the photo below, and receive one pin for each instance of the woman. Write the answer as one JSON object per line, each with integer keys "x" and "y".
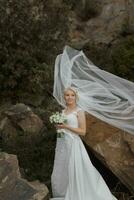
{"x": 74, "y": 177}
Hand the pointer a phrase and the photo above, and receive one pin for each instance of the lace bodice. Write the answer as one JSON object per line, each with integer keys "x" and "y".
{"x": 72, "y": 119}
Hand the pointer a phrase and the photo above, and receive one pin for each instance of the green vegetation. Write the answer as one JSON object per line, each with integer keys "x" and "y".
{"x": 123, "y": 59}
{"x": 117, "y": 59}
{"x": 29, "y": 42}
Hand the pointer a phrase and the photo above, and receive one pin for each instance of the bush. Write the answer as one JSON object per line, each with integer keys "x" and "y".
{"x": 117, "y": 59}
{"x": 123, "y": 59}
{"x": 29, "y": 37}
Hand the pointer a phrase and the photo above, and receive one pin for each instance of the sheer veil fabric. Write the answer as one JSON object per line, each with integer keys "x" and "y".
{"x": 102, "y": 94}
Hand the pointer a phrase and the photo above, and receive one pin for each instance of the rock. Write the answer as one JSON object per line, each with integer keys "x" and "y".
{"x": 131, "y": 16}
{"x": 88, "y": 9}
{"x": 107, "y": 21}
{"x": 113, "y": 147}
{"x": 13, "y": 187}
{"x": 20, "y": 120}
{"x": 23, "y": 133}
{"x": 129, "y": 139}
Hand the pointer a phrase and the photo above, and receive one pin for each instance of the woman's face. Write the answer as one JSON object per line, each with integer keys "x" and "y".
{"x": 70, "y": 97}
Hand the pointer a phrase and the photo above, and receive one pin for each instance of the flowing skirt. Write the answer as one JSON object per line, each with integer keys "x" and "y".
{"x": 74, "y": 177}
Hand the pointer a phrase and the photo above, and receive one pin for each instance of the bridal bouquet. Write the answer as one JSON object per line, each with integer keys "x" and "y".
{"x": 58, "y": 118}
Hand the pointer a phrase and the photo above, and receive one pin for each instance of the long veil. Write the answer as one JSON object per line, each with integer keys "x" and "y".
{"x": 102, "y": 94}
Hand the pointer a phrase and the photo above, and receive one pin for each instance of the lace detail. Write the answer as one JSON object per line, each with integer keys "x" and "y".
{"x": 75, "y": 111}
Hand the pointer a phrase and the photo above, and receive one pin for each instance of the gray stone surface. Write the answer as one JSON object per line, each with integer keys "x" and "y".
{"x": 19, "y": 120}
{"x": 111, "y": 20}
{"x": 13, "y": 187}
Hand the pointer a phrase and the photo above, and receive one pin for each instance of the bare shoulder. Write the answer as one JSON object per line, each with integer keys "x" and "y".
{"x": 80, "y": 113}
{"x": 81, "y": 119}
{"x": 79, "y": 110}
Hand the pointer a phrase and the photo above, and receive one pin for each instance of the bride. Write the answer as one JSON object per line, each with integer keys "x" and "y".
{"x": 101, "y": 94}
{"x": 74, "y": 177}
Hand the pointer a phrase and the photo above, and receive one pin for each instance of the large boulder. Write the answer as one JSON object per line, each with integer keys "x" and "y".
{"x": 13, "y": 187}
{"x": 19, "y": 121}
{"x": 114, "y": 147}
{"x": 23, "y": 133}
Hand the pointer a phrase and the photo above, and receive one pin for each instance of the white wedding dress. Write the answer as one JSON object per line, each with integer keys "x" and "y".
{"x": 74, "y": 177}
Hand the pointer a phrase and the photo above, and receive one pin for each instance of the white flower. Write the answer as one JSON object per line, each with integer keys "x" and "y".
{"x": 58, "y": 118}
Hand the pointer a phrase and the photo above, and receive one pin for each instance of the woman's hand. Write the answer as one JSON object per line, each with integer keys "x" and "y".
{"x": 61, "y": 126}
{"x": 81, "y": 130}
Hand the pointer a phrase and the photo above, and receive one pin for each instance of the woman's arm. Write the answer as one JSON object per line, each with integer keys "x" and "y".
{"x": 81, "y": 130}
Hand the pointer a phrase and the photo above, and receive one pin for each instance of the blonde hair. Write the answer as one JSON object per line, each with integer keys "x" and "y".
{"x": 74, "y": 90}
